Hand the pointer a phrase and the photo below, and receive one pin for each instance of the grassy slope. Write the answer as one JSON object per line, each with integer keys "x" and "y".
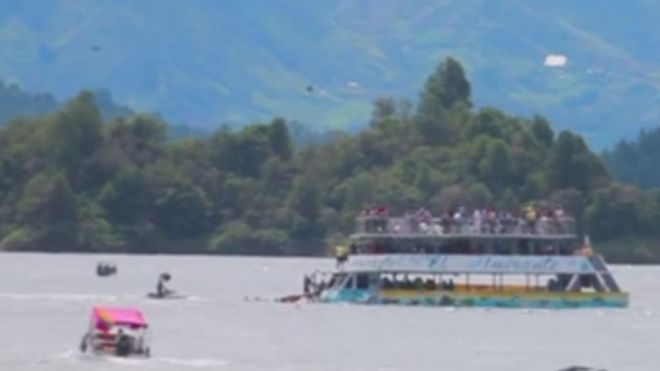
{"x": 205, "y": 62}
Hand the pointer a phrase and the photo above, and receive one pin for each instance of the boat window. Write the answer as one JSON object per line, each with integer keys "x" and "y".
{"x": 386, "y": 281}
{"x": 337, "y": 281}
{"x": 374, "y": 280}
{"x": 501, "y": 248}
{"x": 565, "y": 248}
{"x": 362, "y": 281}
{"x": 347, "y": 283}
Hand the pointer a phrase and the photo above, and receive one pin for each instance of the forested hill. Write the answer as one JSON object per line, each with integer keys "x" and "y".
{"x": 637, "y": 161}
{"x": 69, "y": 181}
{"x": 15, "y": 102}
{"x": 323, "y": 62}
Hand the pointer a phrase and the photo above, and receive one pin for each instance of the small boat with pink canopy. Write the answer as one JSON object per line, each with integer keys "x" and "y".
{"x": 121, "y": 332}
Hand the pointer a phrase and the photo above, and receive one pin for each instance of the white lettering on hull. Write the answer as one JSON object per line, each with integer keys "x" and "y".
{"x": 471, "y": 264}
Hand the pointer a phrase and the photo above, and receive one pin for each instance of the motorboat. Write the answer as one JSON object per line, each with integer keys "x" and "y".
{"x": 105, "y": 269}
{"x": 121, "y": 332}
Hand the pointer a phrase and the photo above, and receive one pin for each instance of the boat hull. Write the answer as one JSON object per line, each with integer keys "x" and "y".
{"x": 550, "y": 300}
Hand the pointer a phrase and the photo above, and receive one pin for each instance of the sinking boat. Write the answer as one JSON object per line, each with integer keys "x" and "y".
{"x": 439, "y": 262}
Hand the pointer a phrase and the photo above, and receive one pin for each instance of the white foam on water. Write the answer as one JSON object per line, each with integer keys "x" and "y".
{"x": 188, "y": 300}
{"x": 76, "y": 356}
{"x": 57, "y": 297}
{"x": 126, "y": 361}
{"x": 193, "y": 298}
{"x": 69, "y": 354}
{"x": 194, "y": 362}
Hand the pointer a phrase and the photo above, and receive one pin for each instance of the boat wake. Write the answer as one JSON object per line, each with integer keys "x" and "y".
{"x": 198, "y": 363}
{"x": 57, "y": 297}
{"x": 179, "y": 299}
{"x": 209, "y": 363}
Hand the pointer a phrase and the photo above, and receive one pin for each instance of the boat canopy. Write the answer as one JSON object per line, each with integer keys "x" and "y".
{"x": 478, "y": 264}
{"x": 103, "y": 317}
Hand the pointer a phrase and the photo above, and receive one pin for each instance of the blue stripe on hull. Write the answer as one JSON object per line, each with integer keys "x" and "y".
{"x": 364, "y": 297}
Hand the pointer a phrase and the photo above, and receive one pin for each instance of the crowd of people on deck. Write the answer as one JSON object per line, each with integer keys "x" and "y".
{"x": 462, "y": 220}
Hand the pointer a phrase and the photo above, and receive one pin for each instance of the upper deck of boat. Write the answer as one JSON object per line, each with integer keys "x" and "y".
{"x": 415, "y": 227}
{"x": 463, "y": 232}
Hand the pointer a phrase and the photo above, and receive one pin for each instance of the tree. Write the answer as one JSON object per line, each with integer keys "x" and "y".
{"x": 495, "y": 167}
{"x": 280, "y": 141}
{"x": 140, "y": 138}
{"x": 445, "y": 88}
{"x": 542, "y": 131}
{"x": 129, "y": 198}
{"x": 182, "y": 210}
{"x": 436, "y": 128}
{"x": 239, "y": 238}
{"x": 353, "y": 193}
{"x": 49, "y": 207}
{"x": 616, "y": 211}
{"x": 95, "y": 233}
{"x": 487, "y": 122}
{"x": 242, "y": 153}
{"x": 383, "y": 108}
{"x": 76, "y": 131}
{"x": 572, "y": 165}
{"x": 305, "y": 197}
{"x": 232, "y": 238}
{"x": 48, "y": 199}
{"x": 15, "y": 102}
{"x": 636, "y": 161}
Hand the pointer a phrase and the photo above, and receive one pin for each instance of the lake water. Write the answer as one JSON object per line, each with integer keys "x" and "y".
{"x": 45, "y": 302}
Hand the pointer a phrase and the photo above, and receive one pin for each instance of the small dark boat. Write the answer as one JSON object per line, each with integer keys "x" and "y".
{"x": 104, "y": 269}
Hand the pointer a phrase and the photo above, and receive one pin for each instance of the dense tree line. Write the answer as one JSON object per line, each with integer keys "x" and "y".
{"x": 72, "y": 181}
{"x": 636, "y": 162}
{"x": 15, "y": 102}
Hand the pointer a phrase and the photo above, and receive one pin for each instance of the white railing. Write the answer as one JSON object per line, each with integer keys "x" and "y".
{"x": 467, "y": 226}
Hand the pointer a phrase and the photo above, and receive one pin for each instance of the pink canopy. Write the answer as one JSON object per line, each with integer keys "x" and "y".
{"x": 104, "y": 316}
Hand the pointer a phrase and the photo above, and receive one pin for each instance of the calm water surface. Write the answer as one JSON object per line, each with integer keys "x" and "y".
{"x": 45, "y": 302}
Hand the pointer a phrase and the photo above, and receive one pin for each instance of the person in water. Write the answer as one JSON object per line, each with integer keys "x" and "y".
{"x": 161, "y": 290}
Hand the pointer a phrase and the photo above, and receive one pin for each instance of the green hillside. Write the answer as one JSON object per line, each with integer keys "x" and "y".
{"x": 73, "y": 181}
{"x": 324, "y": 62}
{"x": 17, "y": 103}
{"x": 636, "y": 162}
